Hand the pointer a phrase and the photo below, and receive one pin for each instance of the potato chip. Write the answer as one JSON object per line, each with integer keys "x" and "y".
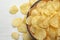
{"x": 41, "y": 5}
{"x": 32, "y": 2}
{"x": 15, "y": 35}
{"x": 47, "y": 8}
{"x": 40, "y": 34}
{"x": 50, "y": 8}
{"x": 26, "y": 36}
{"x": 35, "y": 20}
{"x": 28, "y": 20}
{"x": 54, "y": 21}
{"x": 45, "y": 23}
{"x": 24, "y": 8}
{"x": 32, "y": 29}
{"x": 22, "y": 28}
{"x": 43, "y": 20}
{"x": 46, "y": 12}
{"x": 56, "y": 5}
{"x": 52, "y": 32}
{"x": 16, "y": 22}
{"x": 13, "y": 9}
{"x": 34, "y": 12}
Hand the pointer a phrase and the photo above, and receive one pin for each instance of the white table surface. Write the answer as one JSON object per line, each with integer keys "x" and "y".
{"x": 6, "y": 18}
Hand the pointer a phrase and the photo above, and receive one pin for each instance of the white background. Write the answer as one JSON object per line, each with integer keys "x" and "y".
{"x": 6, "y": 18}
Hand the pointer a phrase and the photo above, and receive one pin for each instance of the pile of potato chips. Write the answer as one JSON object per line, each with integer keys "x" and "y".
{"x": 44, "y": 19}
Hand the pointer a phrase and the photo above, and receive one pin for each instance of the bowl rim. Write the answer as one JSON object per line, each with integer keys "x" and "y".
{"x": 33, "y": 38}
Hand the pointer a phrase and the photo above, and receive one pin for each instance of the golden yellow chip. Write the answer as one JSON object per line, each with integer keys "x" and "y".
{"x": 15, "y": 35}
{"x": 17, "y": 22}
{"x": 13, "y": 9}
{"x": 28, "y": 20}
{"x": 33, "y": 29}
{"x": 41, "y": 4}
{"x": 40, "y": 34}
{"x": 45, "y": 23}
{"x": 56, "y": 5}
{"x": 43, "y": 20}
{"x": 32, "y": 2}
{"x": 52, "y": 32}
{"x": 50, "y": 7}
{"x": 54, "y": 21}
{"x": 24, "y": 8}
{"x": 35, "y": 20}
{"x": 22, "y": 28}
{"x": 26, "y": 36}
{"x": 34, "y": 12}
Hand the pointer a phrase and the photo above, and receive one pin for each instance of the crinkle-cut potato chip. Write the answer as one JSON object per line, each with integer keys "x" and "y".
{"x": 58, "y": 31}
{"x": 28, "y": 20}
{"x": 46, "y": 9}
{"x": 50, "y": 7}
{"x": 54, "y": 21}
{"x": 56, "y": 5}
{"x": 26, "y": 36}
{"x": 22, "y": 28}
{"x": 15, "y": 35}
{"x": 33, "y": 29}
{"x": 37, "y": 20}
{"x": 45, "y": 23}
{"x": 40, "y": 34}
{"x": 13, "y": 9}
{"x": 35, "y": 26}
{"x": 34, "y": 12}
{"x": 17, "y": 22}
{"x": 49, "y": 4}
{"x": 41, "y": 4}
{"x": 46, "y": 12}
{"x": 24, "y": 8}
{"x": 52, "y": 32}
{"x": 32, "y": 2}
